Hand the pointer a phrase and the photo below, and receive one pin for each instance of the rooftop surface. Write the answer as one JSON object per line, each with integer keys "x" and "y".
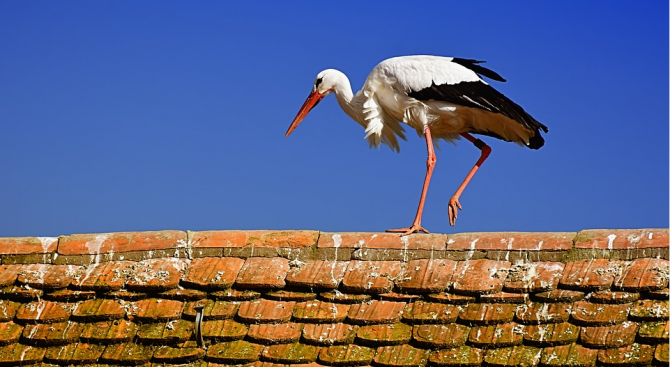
{"x": 310, "y": 298}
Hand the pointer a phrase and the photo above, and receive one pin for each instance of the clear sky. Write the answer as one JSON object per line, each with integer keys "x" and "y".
{"x": 150, "y": 115}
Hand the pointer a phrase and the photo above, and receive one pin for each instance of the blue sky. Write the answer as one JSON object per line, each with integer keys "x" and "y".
{"x": 149, "y": 115}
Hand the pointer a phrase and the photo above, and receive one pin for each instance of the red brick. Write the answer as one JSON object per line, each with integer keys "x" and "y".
{"x": 386, "y": 241}
{"x": 613, "y": 297}
{"x": 568, "y": 355}
{"x": 212, "y": 310}
{"x": 170, "y": 332}
{"x": 346, "y": 355}
{"x": 43, "y": 312}
{"x": 153, "y": 310}
{"x": 264, "y": 311}
{"x": 127, "y": 354}
{"x": 235, "y": 352}
{"x": 329, "y": 334}
{"x": 223, "y": 330}
{"x": 598, "y": 314}
{"x": 291, "y": 353}
{"x": 496, "y": 336}
{"x": 340, "y": 297}
{"x": 213, "y": 272}
{"x": 632, "y": 355}
{"x": 103, "y": 276}
{"x": 376, "y": 312}
{"x": 10, "y": 333}
{"x": 284, "y": 295}
{"x": 487, "y": 313}
{"x": 263, "y": 273}
{"x": 591, "y": 275}
{"x": 550, "y": 335}
{"x": 401, "y": 355}
{"x": 275, "y": 333}
{"x": 18, "y": 355}
{"x": 108, "y": 332}
{"x": 385, "y": 334}
{"x": 614, "y": 336}
{"x": 559, "y": 295}
{"x": 533, "y": 277}
{"x": 156, "y": 274}
{"x": 319, "y": 311}
{"x": 79, "y": 353}
{"x": 511, "y": 241}
{"x": 474, "y": 277}
{"x": 100, "y": 243}
{"x": 649, "y": 310}
{"x": 441, "y": 336}
{"x": 543, "y": 313}
{"x": 643, "y": 275}
{"x": 27, "y": 245}
{"x": 421, "y": 312}
{"x": 98, "y": 309}
{"x": 520, "y": 355}
{"x": 460, "y": 356}
{"x": 46, "y": 276}
{"x": 178, "y": 354}
{"x": 317, "y": 274}
{"x": 427, "y": 276}
{"x": 622, "y": 239}
{"x": 371, "y": 276}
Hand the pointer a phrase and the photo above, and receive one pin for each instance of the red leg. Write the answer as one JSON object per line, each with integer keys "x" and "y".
{"x": 430, "y": 164}
{"x": 453, "y": 202}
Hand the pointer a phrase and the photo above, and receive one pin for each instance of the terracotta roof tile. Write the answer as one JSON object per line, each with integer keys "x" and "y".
{"x": 346, "y": 355}
{"x": 20, "y": 354}
{"x": 398, "y": 297}
{"x": 613, "y": 336}
{"x": 632, "y": 355}
{"x": 78, "y": 353}
{"x": 559, "y": 295}
{"x": 127, "y": 354}
{"x": 595, "y": 314}
{"x": 661, "y": 354}
{"x": 284, "y": 295}
{"x": 504, "y": 297}
{"x": 613, "y": 297}
{"x": 27, "y": 245}
{"x": 154, "y": 309}
{"x": 427, "y": 276}
{"x": 9, "y": 274}
{"x": 108, "y": 332}
{"x": 234, "y": 295}
{"x": 401, "y": 355}
{"x": 156, "y": 274}
{"x": 441, "y": 336}
{"x": 103, "y": 276}
{"x": 654, "y": 332}
{"x": 43, "y": 312}
{"x": 212, "y": 310}
{"x": 46, "y": 276}
{"x": 8, "y": 310}
{"x": 590, "y": 275}
{"x": 384, "y": 334}
{"x": 100, "y": 243}
{"x": 649, "y": 310}
{"x": 69, "y": 295}
{"x": 10, "y": 333}
{"x": 496, "y": 336}
{"x": 235, "y": 352}
{"x": 370, "y": 276}
{"x": 460, "y": 356}
{"x": 568, "y": 355}
{"x": 542, "y": 313}
{"x": 59, "y": 333}
{"x": 181, "y": 294}
{"x": 512, "y": 241}
{"x": 376, "y": 312}
{"x": 322, "y": 274}
{"x": 213, "y": 273}
{"x": 178, "y": 354}
{"x": 291, "y": 353}
{"x": 533, "y": 277}
{"x": 170, "y": 332}
{"x": 223, "y": 330}
{"x": 98, "y": 309}
{"x": 550, "y": 335}
{"x": 329, "y": 334}
{"x": 487, "y": 313}
{"x": 384, "y": 241}
{"x": 263, "y": 273}
{"x": 21, "y": 293}
{"x": 340, "y": 297}
{"x": 275, "y": 333}
{"x": 454, "y": 299}
{"x": 520, "y": 355}
{"x": 319, "y": 311}
{"x": 265, "y": 311}
{"x": 476, "y": 277}
{"x": 421, "y": 312}
{"x": 622, "y": 239}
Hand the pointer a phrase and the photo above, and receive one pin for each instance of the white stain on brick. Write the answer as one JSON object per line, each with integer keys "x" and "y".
{"x": 610, "y": 240}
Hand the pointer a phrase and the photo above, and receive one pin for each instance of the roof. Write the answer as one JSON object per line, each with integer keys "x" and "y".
{"x": 309, "y": 298}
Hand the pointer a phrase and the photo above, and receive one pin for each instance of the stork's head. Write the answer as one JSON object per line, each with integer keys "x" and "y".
{"x": 325, "y": 82}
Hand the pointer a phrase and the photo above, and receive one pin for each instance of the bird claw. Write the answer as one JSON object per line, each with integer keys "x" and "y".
{"x": 408, "y": 230}
{"x": 453, "y": 213}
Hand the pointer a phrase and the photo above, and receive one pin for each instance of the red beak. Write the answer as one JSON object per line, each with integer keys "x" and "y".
{"x": 312, "y": 100}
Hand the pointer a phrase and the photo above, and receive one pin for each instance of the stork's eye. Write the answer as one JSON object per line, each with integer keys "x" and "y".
{"x": 318, "y": 81}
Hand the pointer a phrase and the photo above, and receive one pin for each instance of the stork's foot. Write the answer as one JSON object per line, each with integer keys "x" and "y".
{"x": 408, "y": 230}
{"x": 453, "y": 212}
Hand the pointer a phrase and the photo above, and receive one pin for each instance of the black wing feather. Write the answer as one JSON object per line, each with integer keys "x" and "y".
{"x": 482, "y": 71}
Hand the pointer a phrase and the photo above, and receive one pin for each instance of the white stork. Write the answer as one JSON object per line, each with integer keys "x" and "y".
{"x": 440, "y": 98}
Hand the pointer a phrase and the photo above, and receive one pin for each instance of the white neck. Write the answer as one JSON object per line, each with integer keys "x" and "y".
{"x": 349, "y": 102}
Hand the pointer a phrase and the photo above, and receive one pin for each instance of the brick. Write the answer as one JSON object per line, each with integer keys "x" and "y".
{"x": 427, "y": 276}
{"x": 346, "y": 355}
{"x": 340, "y": 297}
{"x": 385, "y": 334}
{"x": 421, "y": 312}
{"x": 569, "y": 355}
{"x": 170, "y": 332}
{"x": 97, "y": 310}
{"x": 223, "y": 330}
{"x": 10, "y": 333}
{"x": 8, "y": 310}
{"x": 213, "y": 273}
{"x": 212, "y": 310}
{"x": 284, "y": 295}
{"x": 598, "y": 314}
{"x": 153, "y": 310}
{"x": 385, "y": 241}
{"x": 100, "y": 243}
{"x": 401, "y": 355}
{"x": 78, "y": 353}
{"x": 614, "y": 336}
{"x": 370, "y": 276}
{"x": 235, "y": 352}
{"x": 654, "y": 332}
{"x": 643, "y": 275}
{"x": 520, "y": 355}
{"x": 329, "y": 334}
{"x": 264, "y": 311}
{"x": 487, "y": 313}
{"x": 317, "y": 274}
{"x": 103, "y": 276}
{"x": 46, "y": 276}
{"x": 533, "y": 277}
{"x": 559, "y": 295}
{"x": 591, "y": 275}
{"x": 475, "y": 277}
{"x": 156, "y": 274}
{"x": 441, "y": 336}
{"x": 19, "y": 354}
{"x": 263, "y": 273}
{"x": 27, "y": 245}
{"x": 550, "y": 335}
{"x": 613, "y": 297}
{"x": 661, "y": 354}
{"x": 291, "y": 353}
{"x": 649, "y": 310}
{"x": 177, "y": 354}
{"x": 496, "y": 336}
{"x": 622, "y": 239}
{"x": 58, "y": 333}
{"x": 543, "y": 313}
{"x": 275, "y": 333}
{"x": 460, "y": 356}
{"x": 376, "y": 312}
{"x": 43, "y": 312}
{"x": 511, "y": 241}
{"x": 108, "y": 332}
{"x": 455, "y": 299}
{"x": 127, "y": 354}
{"x": 319, "y": 311}
{"x": 632, "y": 355}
